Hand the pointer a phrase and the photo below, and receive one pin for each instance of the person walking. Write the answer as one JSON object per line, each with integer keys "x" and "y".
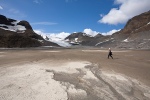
{"x": 110, "y": 54}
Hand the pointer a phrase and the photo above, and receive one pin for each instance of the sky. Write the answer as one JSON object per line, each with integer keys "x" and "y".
{"x": 63, "y": 17}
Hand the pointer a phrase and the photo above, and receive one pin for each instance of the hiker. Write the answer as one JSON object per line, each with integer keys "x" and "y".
{"x": 110, "y": 54}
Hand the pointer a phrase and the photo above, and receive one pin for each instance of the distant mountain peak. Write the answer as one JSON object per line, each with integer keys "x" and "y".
{"x": 15, "y": 33}
{"x": 135, "y": 34}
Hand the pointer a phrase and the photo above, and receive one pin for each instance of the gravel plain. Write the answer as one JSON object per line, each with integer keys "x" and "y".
{"x": 74, "y": 74}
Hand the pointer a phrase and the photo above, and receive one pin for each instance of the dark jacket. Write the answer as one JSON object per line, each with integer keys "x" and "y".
{"x": 110, "y": 53}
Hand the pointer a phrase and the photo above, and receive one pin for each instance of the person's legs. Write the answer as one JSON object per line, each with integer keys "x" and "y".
{"x": 111, "y": 56}
{"x": 108, "y": 56}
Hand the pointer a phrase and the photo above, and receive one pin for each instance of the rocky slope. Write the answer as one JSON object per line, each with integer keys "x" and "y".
{"x": 15, "y": 33}
{"x": 79, "y": 38}
{"x": 135, "y": 34}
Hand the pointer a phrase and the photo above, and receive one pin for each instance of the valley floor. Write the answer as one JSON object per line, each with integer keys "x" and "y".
{"x": 74, "y": 74}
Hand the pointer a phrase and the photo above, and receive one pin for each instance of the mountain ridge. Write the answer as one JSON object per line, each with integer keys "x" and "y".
{"x": 135, "y": 34}
{"x": 15, "y": 33}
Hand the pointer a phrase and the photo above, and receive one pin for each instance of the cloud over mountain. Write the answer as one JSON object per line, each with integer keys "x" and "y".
{"x": 110, "y": 32}
{"x": 90, "y": 32}
{"x": 126, "y": 10}
{"x": 61, "y": 35}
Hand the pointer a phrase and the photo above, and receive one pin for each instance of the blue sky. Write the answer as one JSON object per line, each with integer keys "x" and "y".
{"x": 68, "y": 16}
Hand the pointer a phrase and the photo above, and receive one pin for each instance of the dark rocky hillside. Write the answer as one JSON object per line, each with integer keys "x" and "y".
{"x": 15, "y": 33}
{"x": 135, "y": 34}
{"x": 137, "y": 24}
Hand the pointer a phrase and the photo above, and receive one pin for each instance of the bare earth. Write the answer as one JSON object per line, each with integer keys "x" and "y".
{"x": 74, "y": 74}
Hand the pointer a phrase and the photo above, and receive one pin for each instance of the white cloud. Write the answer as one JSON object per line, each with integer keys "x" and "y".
{"x": 44, "y": 23}
{"x": 55, "y": 37}
{"x": 61, "y": 35}
{"x": 110, "y": 32}
{"x": 126, "y": 10}
{"x": 1, "y": 8}
{"x": 90, "y": 32}
{"x": 94, "y": 33}
{"x": 37, "y": 1}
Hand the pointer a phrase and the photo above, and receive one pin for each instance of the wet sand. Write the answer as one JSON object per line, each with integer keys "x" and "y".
{"x": 74, "y": 74}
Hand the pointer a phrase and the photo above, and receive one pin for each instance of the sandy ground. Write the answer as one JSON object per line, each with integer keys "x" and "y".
{"x": 74, "y": 74}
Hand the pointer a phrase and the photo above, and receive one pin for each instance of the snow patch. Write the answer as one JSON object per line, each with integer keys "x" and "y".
{"x": 15, "y": 22}
{"x": 142, "y": 43}
{"x": 98, "y": 43}
{"x": 60, "y": 42}
{"x": 126, "y": 40}
{"x": 55, "y": 37}
{"x": 76, "y": 39}
{"x": 103, "y": 42}
{"x": 40, "y": 41}
{"x": 67, "y": 40}
{"x": 74, "y": 43}
{"x": 15, "y": 28}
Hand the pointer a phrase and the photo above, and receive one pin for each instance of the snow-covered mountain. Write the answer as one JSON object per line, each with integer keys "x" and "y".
{"x": 11, "y": 25}
{"x": 135, "y": 34}
{"x": 78, "y": 38}
{"x": 14, "y": 27}
{"x": 15, "y": 33}
{"x": 55, "y": 38}
{"x": 58, "y": 40}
